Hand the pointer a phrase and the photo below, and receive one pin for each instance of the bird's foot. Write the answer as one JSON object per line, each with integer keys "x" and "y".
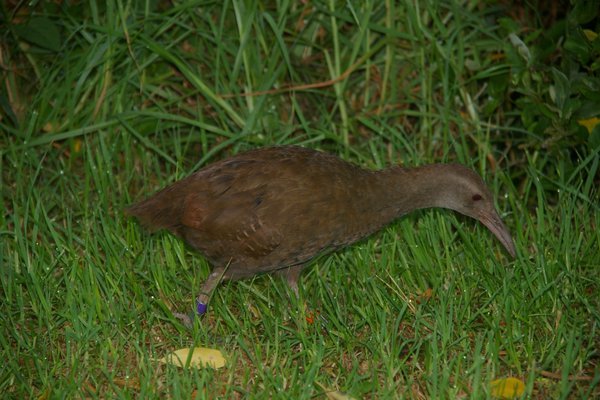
{"x": 188, "y": 319}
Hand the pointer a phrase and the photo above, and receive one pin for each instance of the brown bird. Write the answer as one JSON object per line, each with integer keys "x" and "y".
{"x": 277, "y": 208}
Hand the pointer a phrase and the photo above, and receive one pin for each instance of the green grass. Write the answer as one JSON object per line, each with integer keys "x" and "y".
{"x": 431, "y": 307}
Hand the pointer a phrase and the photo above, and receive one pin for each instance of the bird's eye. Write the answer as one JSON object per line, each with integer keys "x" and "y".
{"x": 476, "y": 197}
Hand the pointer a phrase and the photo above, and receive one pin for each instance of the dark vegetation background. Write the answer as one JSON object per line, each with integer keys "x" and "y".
{"x": 102, "y": 103}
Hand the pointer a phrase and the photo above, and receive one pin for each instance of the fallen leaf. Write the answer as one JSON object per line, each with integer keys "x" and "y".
{"x": 77, "y": 145}
{"x": 200, "y": 357}
{"x": 52, "y": 126}
{"x": 507, "y": 388}
{"x": 44, "y": 395}
{"x": 425, "y": 296}
{"x": 589, "y": 123}
{"x": 590, "y": 35}
{"x": 131, "y": 383}
{"x": 334, "y": 394}
{"x": 311, "y": 316}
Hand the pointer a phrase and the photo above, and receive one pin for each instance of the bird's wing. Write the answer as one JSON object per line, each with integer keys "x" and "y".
{"x": 231, "y": 218}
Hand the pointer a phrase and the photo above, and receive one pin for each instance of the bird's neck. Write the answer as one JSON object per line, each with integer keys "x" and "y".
{"x": 398, "y": 191}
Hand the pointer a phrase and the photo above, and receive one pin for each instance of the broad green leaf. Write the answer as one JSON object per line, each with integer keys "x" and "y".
{"x": 521, "y": 47}
{"x": 560, "y": 91}
{"x": 40, "y": 31}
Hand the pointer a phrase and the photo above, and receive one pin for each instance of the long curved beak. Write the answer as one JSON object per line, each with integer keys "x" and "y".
{"x": 493, "y": 222}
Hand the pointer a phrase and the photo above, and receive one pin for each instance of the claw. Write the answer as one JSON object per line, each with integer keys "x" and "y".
{"x": 186, "y": 320}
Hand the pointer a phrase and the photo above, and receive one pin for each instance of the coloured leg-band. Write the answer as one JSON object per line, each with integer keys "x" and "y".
{"x": 200, "y": 307}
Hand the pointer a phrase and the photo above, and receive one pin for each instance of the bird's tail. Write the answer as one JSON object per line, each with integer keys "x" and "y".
{"x": 159, "y": 211}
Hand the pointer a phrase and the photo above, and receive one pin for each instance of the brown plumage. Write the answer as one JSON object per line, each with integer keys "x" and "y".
{"x": 276, "y": 208}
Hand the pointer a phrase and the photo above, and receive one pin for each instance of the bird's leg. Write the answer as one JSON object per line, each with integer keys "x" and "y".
{"x": 208, "y": 287}
{"x": 203, "y": 297}
{"x": 291, "y": 275}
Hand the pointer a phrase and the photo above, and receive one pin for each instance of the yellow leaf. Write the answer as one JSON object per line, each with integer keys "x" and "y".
{"x": 590, "y": 35}
{"x": 334, "y": 394}
{"x": 77, "y": 145}
{"x": 589, "y": 123}
{"x": 507, "y": 388}
{"x": 50, "y": 127}
{"x": 200, "y": 357}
